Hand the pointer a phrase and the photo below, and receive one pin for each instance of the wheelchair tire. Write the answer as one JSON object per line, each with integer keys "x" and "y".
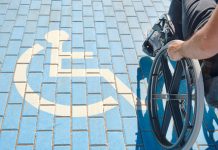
{"x": 184, "y": 101}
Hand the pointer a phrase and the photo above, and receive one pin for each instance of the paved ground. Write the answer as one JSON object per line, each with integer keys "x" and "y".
{"x": 68, "y": 75}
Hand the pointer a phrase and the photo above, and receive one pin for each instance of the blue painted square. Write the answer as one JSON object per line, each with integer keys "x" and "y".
{"x": 9, "y": 64}
{"x": 27, "y": 130}
{"x": 97, "y": 131}
{"x": 94, "y": 82}
{"x": 104, "y": 56}
{"x": 126, "y": 108}
{"x": 28, "y": 40}
{"x": 116, "y": 141}
{"x": 100, "y": 27}
{"x": 13, "y": 47}
{"x": 4, "y": 39}
{"x": 116, "y": 49}
{"x": 89, "y": 22}
{"x": 79, "y": 123}
{"x": 44, "y": 140}
{"x": 43, "y": 21}
{"x": 62, "y": 131}
{"x": 12, "y": 116}
{"x": 63, "y": 99}
{"x": 113, "y": 119}
{"x": 79, "y": 97}
{"x": 77, "y": 16}
{"x": 77, "y": 40}
{"x": 5, "y": 81}
{"x": 17, "y": 33}
{"x": 48, "y": 91}
{"x": 89, "y": 34}
{"x": 8, "y": 140}
{"x": 80, "y": 140}
{"x": 131, "y": 131}
{"x": 113, "y": 35}
{"x": 119, "y": 65}
{"x": 57, "y": 147}
{"x": 3, "y": 103}
{"x": 66, "y": 63}
{"x": 99, "y": 16}
{"x": 64, "y": 85}
{"x": 24, "y": 147}
{"x": 123, "y": 28}
{"x": 45, "y": 120}
{"x": 35, "y": 81}
{"x": 130, "y": 56}
{"x": 127, "y": 41}
{"x": 111, "y": 22}
{"x": 102, "y": 41}
{"x": 91, "y": 47}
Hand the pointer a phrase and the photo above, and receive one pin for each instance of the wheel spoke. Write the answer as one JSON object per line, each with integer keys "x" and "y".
{"x": 177, "y": 117}
{"x": 166, "y": 72}
{"x": 166, "y": 119}
{"x": 177, "y": 76}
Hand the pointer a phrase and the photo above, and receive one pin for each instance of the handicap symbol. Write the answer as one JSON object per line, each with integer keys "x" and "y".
{"x": 56, "y": 38}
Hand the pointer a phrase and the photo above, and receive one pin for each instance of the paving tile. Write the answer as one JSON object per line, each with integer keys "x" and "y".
{"x": 55, "y": 16}
{"x": 98, "y": 16}
{"x": 13, "y": 47}
{"x": 7, "y": 26}
{"x": 63, "y": 85}
{"x": 97, "y": 131}
{"x": 4, "y": 38}
{"x": 104, "y": 56}
{"x": 35, "y": 5}
{"x": 56, "y": 5}
{"x": 77, "y": 16}
{"x": 3, "y": 103}
{"x": 126, "y": 105}
{"x": 111, "y": 22}
{"x": 78, "y": 138}
{"x": 113, "y": 119}
{"x": 113, "y": 35}
{"x": 116, "y": 49}
{"x": 120, "y": 16}
{"x": 89, "y": 34}
{"x": 17, "y": 33}
{"x": 77, "y": 40}
{"x": 109, "y": 11}
{"x": 119, "y": 65}
{"x": 44, "y": 140}
{"x": 66, "y": 10}
{"x": 62, "y": 131}
{"x": 57, "y": 147}
{"x": 37, "y": 63}
{"x": 127, "y": 41}
{"x": 102, "y": 41}
{"x": 11, "y": 14}
{"x": 28, "y": 40}
{"x": 27, "y": 130}
{"x": 45, "y": 120}
{"x": 100, "y": 27}
{"x": 8, "y": 139}
{"x": 137, "y": 35}
{"x": 131, "y": 131}
{"x": 48, "y": 91}
{"x": 77, "y": 5}
{"x": 33, "y": 15}
{"x": 23, "y": 9}
{"x": 78, "y": 97}
{"x": 22, "y": 147}
{"x": 9, "y": 64}
{"x": 5, "y": 81}
{"x": 79, "y": 123}
{"x": 28, "y": 109}
{"x": 35, "y": 80}
{"x": 89, "y": 22}
{"x": 130, "y": 56}
{"x": 133, "y": 22}
{"x": 95, "y": 99}
{"x": 116, "y": 140}
{"x": 45, "y": 9}
{"x": 129, "y": 10}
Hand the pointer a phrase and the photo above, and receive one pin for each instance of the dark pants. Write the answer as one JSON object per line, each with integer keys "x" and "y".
{"x": 190, "y": 15}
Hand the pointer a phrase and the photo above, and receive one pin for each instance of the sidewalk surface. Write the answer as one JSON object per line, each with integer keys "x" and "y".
{"x": 68, "y": 76}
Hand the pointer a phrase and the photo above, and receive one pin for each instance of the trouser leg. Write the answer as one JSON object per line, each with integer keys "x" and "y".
{"x": 175, "y": 13}
{"x": 195, "y": 13}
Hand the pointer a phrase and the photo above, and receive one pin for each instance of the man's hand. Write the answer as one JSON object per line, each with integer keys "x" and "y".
{"x": 175, "y": 50}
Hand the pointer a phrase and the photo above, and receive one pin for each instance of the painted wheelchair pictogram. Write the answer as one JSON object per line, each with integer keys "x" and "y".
{"x": 56, "y": 38}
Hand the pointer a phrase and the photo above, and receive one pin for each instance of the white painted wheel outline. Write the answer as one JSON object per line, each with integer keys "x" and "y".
{"x": 21, "y": 71}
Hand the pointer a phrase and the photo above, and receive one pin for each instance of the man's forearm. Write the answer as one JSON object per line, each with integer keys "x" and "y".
{"x": 204, "y": 43}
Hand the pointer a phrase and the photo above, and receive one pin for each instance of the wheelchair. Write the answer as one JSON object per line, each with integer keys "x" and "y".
{"x": 175, "y": 96}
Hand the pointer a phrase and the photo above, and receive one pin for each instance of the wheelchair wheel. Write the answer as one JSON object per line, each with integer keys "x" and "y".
{"x": 175, "y": 101}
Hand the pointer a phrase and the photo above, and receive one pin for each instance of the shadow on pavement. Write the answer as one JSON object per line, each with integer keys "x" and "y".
{"x": 148, "y": 140}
